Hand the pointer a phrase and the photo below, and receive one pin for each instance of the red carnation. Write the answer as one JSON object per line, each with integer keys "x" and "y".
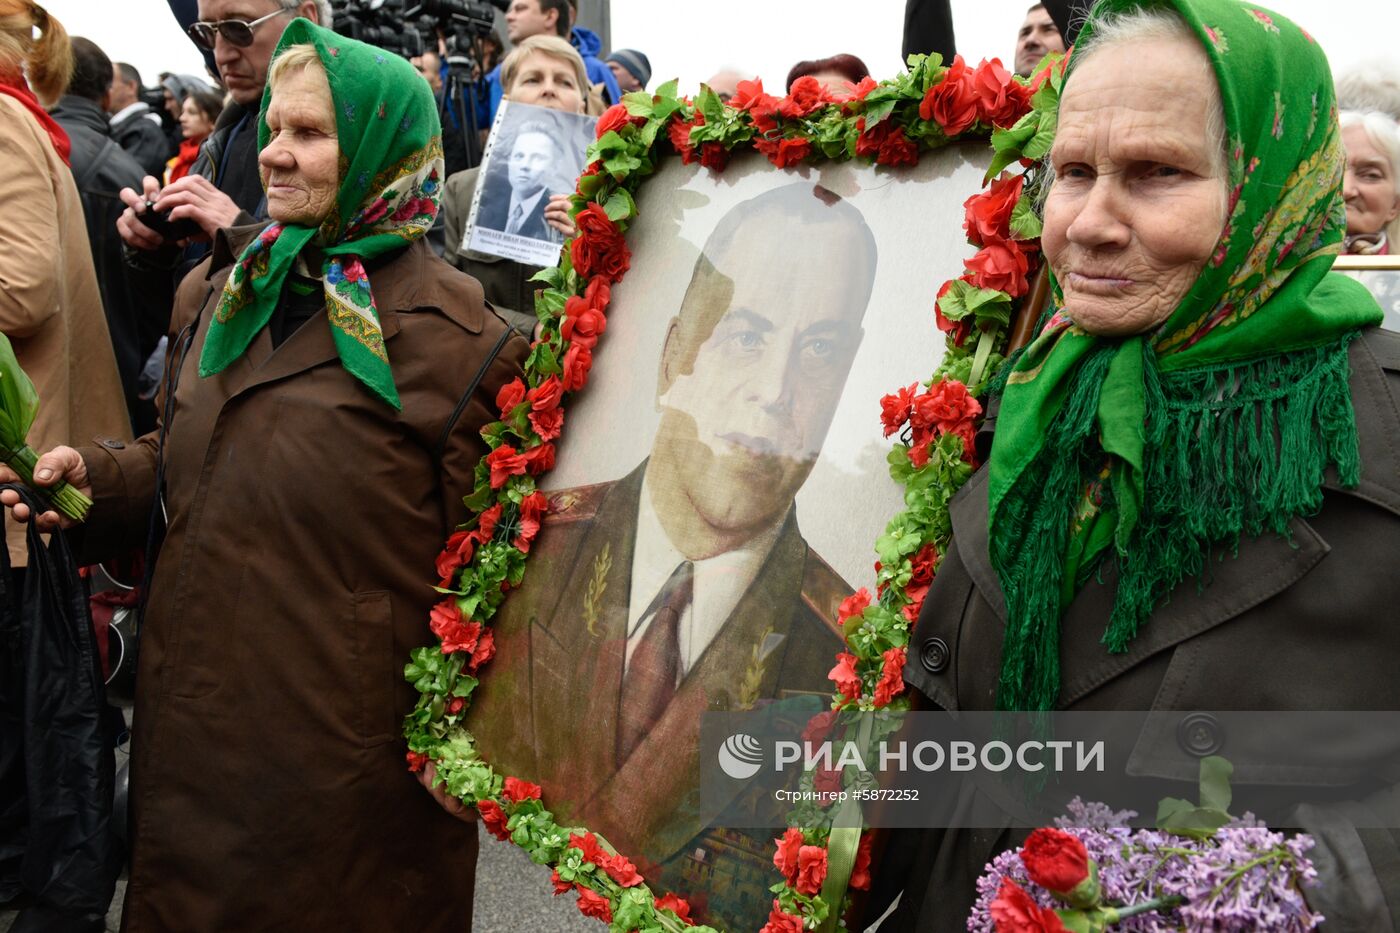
{"x": 827, "y": 780}
{"x": 675, "y": 904}
{"x": 854, "y": 92}
{"x": 616, "y": 119}
{"x": 416, "y": 761}
{"x": 446, "y": 565}
{"x": 598, "y": 249}
{"x": 853, "y": 605}
{"x": 583, "y": 323}
{"x": 887, "y": 143}
{"x": 1001, "y": 265}
{"x": 592, "y": 904}
{"x": 819, "y": 727}
{"x": 959, "y": 329}
{"x": 532, "y": 509}
{"x": 783, "y": 152}
{"x": 891, "y": 683}
{"x": 845, "y": 677}
{"x": 578, "y": 360}
{"x": 486, "y": 523}
{"x": 621, "y": 870}
{"x": 461, "y": 637}
{"x": 444, "y": 617}
{"x": 494, "y": 818}
{"x": 714, "y": 157}
{"x": 1013, "y": 911}
{"x": 987, "y": 216}
{"x": 455, "y": 706}
{"x": 895, "y": 408}
{"x": 539, "y": 459}
{"x": 504, "y": 463}
{"x": 945, "y": 406}
{"x": 780, "y": 922}
{"x": 484, "y": 651}
{"x": 511, "y": 394}
{"x": 547, "y": 424}
{"x": 546, "y": 395}
{"x": 516, "y": 790}
{"x": 952, "y": 103}
{"x": 588, "y": 845}
{"x": 1055, "y": 860}
{"x": 785, "y": 859}
{"x": 860, "y": 875}
{"x": 1003, "y": 99}
{"x": 761, "y": 108}
{"x": 805, "y": 96}
{"x": 679, "y": 133}
{"x": 811, "y": 870}
{"x": 560, "y": 885}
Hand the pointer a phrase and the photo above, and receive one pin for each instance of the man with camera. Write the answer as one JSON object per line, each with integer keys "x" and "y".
{"x": 222, "y": 188}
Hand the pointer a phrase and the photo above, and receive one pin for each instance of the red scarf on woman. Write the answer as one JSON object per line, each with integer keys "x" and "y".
{"x": 18, "y": 88}
{"x": 180, "y": 165}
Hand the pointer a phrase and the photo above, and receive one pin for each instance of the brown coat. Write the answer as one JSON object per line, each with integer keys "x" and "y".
{"x": 269, "y": 787}
{"x": 50, "y": 307}
{"x": 1289, "y": 626}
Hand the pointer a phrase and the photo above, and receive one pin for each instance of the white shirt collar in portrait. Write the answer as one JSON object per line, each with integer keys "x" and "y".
{"x": 527, "y": 207}
{"x": 719, "y": 582}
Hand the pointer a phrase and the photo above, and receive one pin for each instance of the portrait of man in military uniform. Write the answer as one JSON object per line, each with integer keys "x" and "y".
{"x": 687, "y": 585}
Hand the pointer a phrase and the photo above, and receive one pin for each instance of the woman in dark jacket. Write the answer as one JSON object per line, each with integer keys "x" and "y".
{"x": 1192, "y": 500}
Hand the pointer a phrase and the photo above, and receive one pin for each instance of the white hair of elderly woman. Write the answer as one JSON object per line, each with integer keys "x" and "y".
{"x": 1370, "y": 86}
{"x": 1145, "y": 24}
{"x": 1384, "y": 134}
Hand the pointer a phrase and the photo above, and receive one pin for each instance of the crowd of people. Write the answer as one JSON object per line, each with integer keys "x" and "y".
{"x": 187, "y": 279}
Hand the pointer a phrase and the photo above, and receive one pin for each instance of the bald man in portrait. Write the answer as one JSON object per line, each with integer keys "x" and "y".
{"x": 687, "y": 586}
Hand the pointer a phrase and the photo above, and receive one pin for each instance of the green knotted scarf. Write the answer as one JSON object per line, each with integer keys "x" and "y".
{"x": 390, "y": 185}
{"x": 1222, "y": 422}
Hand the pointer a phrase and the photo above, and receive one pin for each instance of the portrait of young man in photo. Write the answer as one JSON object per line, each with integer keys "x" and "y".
{"x": 687, "y": 586}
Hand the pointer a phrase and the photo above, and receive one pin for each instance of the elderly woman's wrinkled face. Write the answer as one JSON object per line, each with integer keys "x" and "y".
{"x": 300, "y": 164}
{"x": 546, "y": 81}
{"x": 1373, "y": 199}
{"x": 1138, "y": 198}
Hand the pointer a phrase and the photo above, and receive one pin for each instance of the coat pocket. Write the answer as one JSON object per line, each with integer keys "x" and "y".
{"x": 376, "y": 666}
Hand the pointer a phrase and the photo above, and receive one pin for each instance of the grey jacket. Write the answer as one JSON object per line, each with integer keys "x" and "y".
{"x": 1306, "y": 625}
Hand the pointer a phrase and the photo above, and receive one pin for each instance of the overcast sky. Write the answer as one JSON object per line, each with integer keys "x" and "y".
{"x": 692, "y": 40}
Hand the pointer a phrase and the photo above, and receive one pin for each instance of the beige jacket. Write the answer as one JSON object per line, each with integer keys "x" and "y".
{"x": 50, "y": 307}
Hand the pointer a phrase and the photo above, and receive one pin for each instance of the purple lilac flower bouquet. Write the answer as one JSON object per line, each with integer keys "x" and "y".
{"x": 1201, "y": 870}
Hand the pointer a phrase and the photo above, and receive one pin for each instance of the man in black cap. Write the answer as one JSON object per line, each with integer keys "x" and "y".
{"x": 631, "y": 68}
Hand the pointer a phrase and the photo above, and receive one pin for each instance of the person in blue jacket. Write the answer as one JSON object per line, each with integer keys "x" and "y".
{"x": 527, "y": 18}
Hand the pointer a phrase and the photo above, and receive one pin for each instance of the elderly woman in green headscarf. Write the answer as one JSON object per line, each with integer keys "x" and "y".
{"x": 328, "y": 381}
{"x": 1192, "y": 499}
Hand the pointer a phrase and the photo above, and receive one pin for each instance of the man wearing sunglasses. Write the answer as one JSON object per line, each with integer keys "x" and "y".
{"x": 222, "y": 188}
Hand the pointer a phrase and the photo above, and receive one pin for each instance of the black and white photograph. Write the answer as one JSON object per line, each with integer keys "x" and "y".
{"x": 533, "y": 153}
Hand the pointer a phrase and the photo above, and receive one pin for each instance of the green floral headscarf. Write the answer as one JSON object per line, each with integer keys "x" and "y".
{"x": 1222, "y": 422}
{"x": 390, "y": 185}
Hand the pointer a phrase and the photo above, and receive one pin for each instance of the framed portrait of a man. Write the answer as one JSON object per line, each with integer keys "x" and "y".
{"x": 531, "y": 154}
{"x": 717, "y": 495}
{"x": 1381, "y": 276}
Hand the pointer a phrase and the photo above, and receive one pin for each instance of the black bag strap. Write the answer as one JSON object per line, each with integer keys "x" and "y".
{"x": 440, "y": 449}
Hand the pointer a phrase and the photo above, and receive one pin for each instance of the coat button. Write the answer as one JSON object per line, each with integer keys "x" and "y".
{"x": 110, "y": 444}
{"x": 1200, "y": 734}
{"x": 934, "y": 655}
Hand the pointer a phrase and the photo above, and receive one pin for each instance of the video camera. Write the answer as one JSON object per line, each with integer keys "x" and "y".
{"x": 411, "y": 27}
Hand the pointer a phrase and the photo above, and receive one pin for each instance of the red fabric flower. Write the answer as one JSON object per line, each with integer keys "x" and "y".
{"x": 714, "y": 156}
{"x": 919, "y": 454}
{"x": 853, "y": 605}
{"x": 1003, "y": 99}
{"x": 675, "y": 904}
{"x": 1013, "y": 911}
{"x": 547, "y": 424}
{"x": 783, "y": 152}
{"x": 952, "y": 103}
{"x": 621, "y": 870}
{"x": 1055, "y": 860}
{"x": 592, "y": 904}
{"x": 891, "y": 683}
{"x": 444, "y": 616}
{"x": 785, "y": 859}
{"x": 494, "y": 818}
{"x": 588, "y": 845}
{"x": 827, "y": 780}
{"x": 845, "y": 677}
{"x": 922, "y": 565}
{"x": 987, "y": 214}
{"x": 854, "y": 92}
{"x": 578, "y": 360}
{"x": 486, "y": 523}
{"x": 811, "y": 870}
{"x": 945, "y": 406}
{"x": 583, "y": 323}
{"x": 598, "y": 249}
{"x": 819, "y": 727}
{"x": 560, "y": 885}
{"x": 805, "y": 96}
{"x": 779, "y": 922}
{"x": 511, "y": 394}
{"x": 887, "y": 143}
{"x": 461, "y": 637}
{"x": 678, "y": 131}
{"x": 1001, "y": 265}
{"x": 959, "y": 329}
{"x": 616, "y": 119}
{"x": 446, "y": 565}
{"x": 532, "y": 509}
{"x": 860, "y": 875}
{"x": 504, "y": 462}
{"x": 516, "y": 790}
{"x": 539, "y": 459}
{"x": 455, "y": 706}
{"x": 484, "y": 651}
{"x": 761, "y": 108}
{"x": 895, "y": 408}
{"x": 546, "y": 395}
{"x": 416, "y": 761}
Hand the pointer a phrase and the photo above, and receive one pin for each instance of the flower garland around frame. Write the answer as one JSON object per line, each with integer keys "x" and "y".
{"x": 887, "y": 123}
